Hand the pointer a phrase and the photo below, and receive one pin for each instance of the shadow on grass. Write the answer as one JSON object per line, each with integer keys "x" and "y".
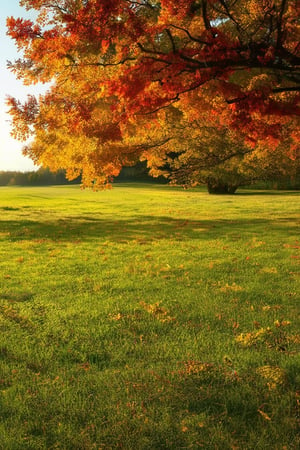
{"x": 142, "y": 228}
{"x": 254, "y": 192}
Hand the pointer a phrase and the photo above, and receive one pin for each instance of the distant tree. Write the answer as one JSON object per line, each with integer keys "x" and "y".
{"x": 40, "y": 177}
{"x": 5, "y": 176}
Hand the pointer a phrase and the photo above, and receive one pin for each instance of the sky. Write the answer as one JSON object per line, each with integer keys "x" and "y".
{"x": 11, "y": 157}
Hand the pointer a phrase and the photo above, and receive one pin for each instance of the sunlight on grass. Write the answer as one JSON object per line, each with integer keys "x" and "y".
{"x": 148, "y": 317}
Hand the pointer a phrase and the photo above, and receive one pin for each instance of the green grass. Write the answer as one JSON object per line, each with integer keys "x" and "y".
{"x": 148, "y": 317}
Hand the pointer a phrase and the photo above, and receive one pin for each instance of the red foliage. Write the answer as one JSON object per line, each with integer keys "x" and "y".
{"x": 142, "y": 56}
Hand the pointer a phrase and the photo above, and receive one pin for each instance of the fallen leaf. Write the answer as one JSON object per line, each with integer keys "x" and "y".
{"x": 264, "y": 415}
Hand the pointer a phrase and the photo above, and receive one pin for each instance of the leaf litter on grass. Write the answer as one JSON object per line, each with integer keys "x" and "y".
{"x": 148, "y": 329}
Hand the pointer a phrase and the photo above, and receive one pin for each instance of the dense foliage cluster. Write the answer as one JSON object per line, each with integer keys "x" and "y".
{"x": 188, "y": 86}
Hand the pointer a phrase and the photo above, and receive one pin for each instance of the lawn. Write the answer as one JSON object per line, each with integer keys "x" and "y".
{"x": 149, "y": 317}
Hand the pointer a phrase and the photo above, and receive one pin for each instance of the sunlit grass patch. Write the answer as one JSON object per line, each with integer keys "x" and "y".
{"x": 148, "y": 317}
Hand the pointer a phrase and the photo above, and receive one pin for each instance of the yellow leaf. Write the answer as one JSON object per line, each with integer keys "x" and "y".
{"x": 274, "y": 376}
{"x": 283, "y": 323}
{"x": 264, "y": 415}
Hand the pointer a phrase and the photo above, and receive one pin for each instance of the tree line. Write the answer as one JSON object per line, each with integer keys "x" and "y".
{"x": 41, "y": 177}
{"x": 137, "y": 173}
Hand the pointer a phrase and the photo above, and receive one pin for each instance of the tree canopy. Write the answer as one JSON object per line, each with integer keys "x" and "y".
{"x": 129, "y": 78}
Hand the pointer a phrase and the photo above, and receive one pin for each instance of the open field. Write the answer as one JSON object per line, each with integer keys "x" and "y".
{"x": 149, "y": 317}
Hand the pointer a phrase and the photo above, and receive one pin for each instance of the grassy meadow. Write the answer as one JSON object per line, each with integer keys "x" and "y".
{"x": 149, "y": 317}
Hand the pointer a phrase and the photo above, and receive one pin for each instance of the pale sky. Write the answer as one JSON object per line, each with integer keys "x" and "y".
{"x": 11, "y": 157}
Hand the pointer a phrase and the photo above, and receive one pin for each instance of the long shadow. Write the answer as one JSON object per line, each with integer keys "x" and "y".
{"x": 269, "y": 193}
{"x": 145, "y": 228}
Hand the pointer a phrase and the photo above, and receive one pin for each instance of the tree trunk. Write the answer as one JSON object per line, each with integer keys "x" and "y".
{"x": 220, "y": 187}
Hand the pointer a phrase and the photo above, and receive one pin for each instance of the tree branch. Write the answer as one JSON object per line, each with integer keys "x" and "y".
{"x": 192, "y": 38}
{"x": 274, "y": 91}
{"x": 171, "y": 39}
{"x": 170, "y": 102}
{"x": 287, "y": 89}
{"x": 279, "y": 24}
{"x": 204, "y": 15}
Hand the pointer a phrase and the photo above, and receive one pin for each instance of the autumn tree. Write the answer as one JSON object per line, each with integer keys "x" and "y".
{"x": 205, "y": 150}
{"x": 115, "y": 65}
{"x": 224, "y": 171}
